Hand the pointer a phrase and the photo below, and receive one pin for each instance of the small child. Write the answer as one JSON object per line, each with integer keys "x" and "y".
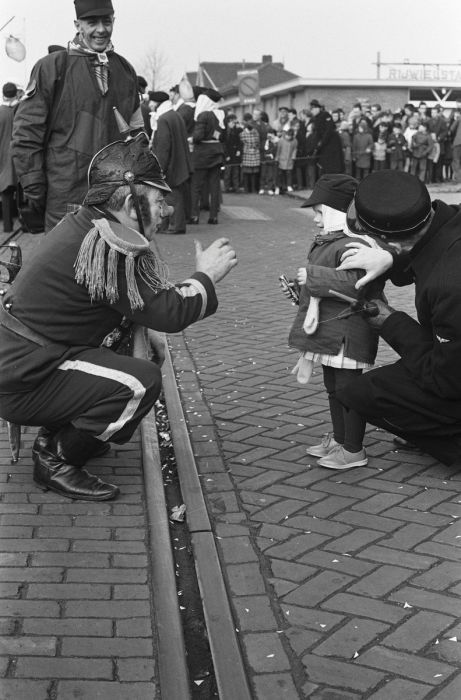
{"x": 362, "y": 148}
{"x": 397, "y": 148}
{"x": 232, "y": 153}
{"x": 286, "y": 153}
{"x": 380, "y": 148}
{"x": 269, "y": 164}
{"x": 325, "y": 330}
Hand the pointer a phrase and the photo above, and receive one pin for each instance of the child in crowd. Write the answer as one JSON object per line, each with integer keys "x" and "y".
{"x": 285, "y": 155}
{"x": 251, "y": 158}
{"x": 362, "y": 149}
{"x": 412, "y": 128}
{"x": 269, "y": 164}
{"x": 380, "y": 148}
{"x": 232, "y": 154}
{"x": 421, "y": 145}
{"x": 344, "y": 343}
{"x": 397, "y": 148}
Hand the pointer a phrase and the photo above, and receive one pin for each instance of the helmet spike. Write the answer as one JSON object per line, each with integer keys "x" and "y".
{"x": 123, "y": 127}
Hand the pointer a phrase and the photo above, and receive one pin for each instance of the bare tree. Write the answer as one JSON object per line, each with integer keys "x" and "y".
{"x": 154, "y": 67}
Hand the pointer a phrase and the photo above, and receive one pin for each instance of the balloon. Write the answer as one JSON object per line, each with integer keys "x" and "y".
{"x": 15, "y": 49}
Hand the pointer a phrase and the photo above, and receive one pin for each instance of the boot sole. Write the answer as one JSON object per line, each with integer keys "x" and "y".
{"x": 74, "y": 497}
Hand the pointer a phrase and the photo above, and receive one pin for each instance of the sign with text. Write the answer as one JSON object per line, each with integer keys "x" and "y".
{"x": 424, "y": 72}
{"x": 248, "y": 85}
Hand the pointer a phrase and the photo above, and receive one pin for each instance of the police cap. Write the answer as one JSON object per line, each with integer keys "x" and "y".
{"x": 389, "y": 203}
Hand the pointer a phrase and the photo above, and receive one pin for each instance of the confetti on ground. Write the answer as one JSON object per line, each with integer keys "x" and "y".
{"x": 407, "y": 605}
{"x": 178, "y": 513}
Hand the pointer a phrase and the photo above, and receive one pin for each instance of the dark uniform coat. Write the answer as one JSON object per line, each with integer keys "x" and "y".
{"x": 171, "y": 148}
{"x": 328, "y": 144}
{"x": 64, "y": 119}
{"x": 419, "y": 397}
{"x": 64, "y": 375}
{"x": 7, "y": 174}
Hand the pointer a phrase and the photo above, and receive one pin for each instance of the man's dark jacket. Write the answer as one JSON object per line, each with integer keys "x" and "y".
{"x": 64, "y": 120}
{"x": 171, "y": 148}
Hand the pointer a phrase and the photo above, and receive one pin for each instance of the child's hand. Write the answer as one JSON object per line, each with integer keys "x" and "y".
{"x": 301, "y": 275}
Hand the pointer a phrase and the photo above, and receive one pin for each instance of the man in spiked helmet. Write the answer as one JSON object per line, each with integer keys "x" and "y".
{"x": 93, "y": 273}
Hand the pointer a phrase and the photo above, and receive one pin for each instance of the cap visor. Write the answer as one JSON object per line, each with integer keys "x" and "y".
{"x": 311, "y": 202}
{"x": 160, "y": 185}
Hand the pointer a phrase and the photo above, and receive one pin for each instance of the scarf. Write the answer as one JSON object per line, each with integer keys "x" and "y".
{"x": 96, "y": 265}
{"x": 99, "y": 61}
{"x": 205, "y": 104}
{"x": 161, "y": 109}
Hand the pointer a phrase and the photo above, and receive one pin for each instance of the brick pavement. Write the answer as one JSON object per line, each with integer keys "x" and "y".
{"x": 344, "y": 585}
{"x": 75, "y": 611}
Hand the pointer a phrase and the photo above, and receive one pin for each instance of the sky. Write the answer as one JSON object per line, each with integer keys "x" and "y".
{"x": 312, "y": 38}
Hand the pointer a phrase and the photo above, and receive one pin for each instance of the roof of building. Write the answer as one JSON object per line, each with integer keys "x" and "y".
{"x": 223, "y": 76}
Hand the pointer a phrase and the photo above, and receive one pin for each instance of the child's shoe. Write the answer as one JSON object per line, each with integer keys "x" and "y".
{"x": 277, "y": 190}
{"x": 270, "y": 192}
{"x": 339, "y": 458}
{"x": 289, "y": 189}
{"x": 261, "y": 192}
{"x": 324, "y": 448}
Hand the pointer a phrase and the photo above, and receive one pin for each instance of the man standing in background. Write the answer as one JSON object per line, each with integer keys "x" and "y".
{"x": 67, "y": 113}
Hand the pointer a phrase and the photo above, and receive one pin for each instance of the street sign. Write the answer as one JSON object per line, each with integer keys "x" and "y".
{"x": 248, "y": 86}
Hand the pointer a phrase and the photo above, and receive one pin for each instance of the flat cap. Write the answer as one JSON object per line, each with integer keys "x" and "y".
{"x": 389, "y": 202}
{"x": 93, "y": 8}
{"x": 336, "y": 191}
{"x": 158, "y": 96}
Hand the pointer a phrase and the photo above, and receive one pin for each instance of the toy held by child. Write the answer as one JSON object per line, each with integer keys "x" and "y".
{"x": 326, "y": 328}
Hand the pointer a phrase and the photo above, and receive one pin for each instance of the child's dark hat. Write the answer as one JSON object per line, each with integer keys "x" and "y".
{"x": 158, "y": 96}
{"x": 335, "y": 191}
{"x": 389, "y": 203}
{"x": 93, "y": 8}
{"x": 315, "y": 103}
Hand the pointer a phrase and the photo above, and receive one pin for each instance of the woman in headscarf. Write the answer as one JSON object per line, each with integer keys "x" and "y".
{"x": 208, "y": 153}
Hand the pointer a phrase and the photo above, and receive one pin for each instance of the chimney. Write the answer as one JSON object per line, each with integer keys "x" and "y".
{"x": 267, "y": 58}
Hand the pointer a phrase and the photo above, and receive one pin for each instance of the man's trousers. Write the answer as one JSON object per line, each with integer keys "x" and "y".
{"x": 97, "y": 391}
{"x": 389, "y": 398}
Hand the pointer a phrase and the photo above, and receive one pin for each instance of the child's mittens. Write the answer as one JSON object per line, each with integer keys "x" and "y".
{"x": 311, "y": 320}
{"x": 303, "y": 370}
{"x": 301, "y": 275}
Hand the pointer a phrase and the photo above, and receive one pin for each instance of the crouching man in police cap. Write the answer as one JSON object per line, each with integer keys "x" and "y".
{"x": 94, "y": 269}
{"x": 417, "y": 398}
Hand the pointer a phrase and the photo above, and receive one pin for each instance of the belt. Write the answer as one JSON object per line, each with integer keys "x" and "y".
{"x": 7, "y": 320}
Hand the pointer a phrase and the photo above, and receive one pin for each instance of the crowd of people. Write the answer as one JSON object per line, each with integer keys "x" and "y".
{"x": 296, "y": 148}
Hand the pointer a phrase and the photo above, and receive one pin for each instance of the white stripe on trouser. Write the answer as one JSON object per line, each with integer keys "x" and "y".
{"x": 116, "y": 375}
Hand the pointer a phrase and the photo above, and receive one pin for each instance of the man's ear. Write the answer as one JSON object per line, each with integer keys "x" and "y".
{"x": 77, "y": 25}
{"x": 129, "y": 207}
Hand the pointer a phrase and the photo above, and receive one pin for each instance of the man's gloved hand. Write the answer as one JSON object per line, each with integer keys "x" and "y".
{"x": 36, "y": 196}
{"x": 384, "y": 311}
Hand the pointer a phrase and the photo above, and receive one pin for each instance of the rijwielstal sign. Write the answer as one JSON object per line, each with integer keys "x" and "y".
{"x": 424, "y": 72}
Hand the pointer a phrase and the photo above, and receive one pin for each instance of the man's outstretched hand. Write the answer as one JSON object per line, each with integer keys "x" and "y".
{"x": 217, "y": 260}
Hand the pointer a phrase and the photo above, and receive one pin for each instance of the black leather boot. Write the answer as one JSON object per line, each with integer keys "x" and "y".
{"x": 44, "y": 435}
{"x": 57, "y": 466}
